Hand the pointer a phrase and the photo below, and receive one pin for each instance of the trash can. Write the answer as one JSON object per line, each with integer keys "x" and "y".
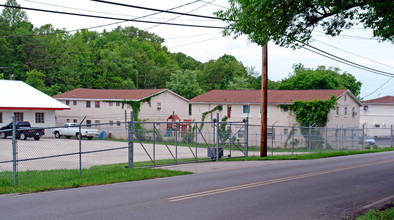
{"x": 212, "y": 152}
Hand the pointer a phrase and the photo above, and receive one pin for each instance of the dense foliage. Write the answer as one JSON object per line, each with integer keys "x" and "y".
{"x": 314, "y": 112}
{"x": 290, "y": 23}
{"x": 320, "y": 78}
{"x": 55, "y": 61}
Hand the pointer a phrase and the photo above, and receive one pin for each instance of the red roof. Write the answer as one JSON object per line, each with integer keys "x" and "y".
{"x": 274, "y": 96}
{"x": 108, "y": 94}
{"x": 382, "y": 100}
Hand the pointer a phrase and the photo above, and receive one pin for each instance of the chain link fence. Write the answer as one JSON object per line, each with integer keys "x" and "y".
{"x": 80, "y": 147}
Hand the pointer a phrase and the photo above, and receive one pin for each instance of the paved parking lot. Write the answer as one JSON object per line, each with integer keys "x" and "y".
{"x": 48, "y": 147}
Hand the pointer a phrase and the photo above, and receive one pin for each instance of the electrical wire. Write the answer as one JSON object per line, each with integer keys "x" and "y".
{"x": 111, "y": 18}
{"x": 153, "y": 9}
{"x": 183, "y": 45}
{"x": 352, "y": 53}
{"x": 350, "y": 62}
{"x": 377, "y": 88}
{"x": 176, "y": 17}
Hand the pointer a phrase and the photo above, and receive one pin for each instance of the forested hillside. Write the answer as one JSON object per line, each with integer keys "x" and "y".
{"x": 56, "y": 61}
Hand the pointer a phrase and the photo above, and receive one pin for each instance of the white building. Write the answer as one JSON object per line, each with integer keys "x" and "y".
{"x": 377, "y": 116}
{"x": 27, "y": 104}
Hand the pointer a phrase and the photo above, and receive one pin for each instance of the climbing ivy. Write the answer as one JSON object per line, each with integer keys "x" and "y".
{"x": 204, "y": 114}
{"x": 312, "y": 112}
{"x": 136, "y": 105}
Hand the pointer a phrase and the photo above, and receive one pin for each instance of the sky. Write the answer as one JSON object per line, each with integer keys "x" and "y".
{"x": 204, "y": 44}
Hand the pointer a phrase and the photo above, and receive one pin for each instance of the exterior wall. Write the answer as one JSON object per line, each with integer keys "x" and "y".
{"x": 377, "y": 119}
{"x": 349, "y": 120}
{"x": 30, "y": 116}
{"x": 282, "y": 119}
{"x": 106, "y": 113}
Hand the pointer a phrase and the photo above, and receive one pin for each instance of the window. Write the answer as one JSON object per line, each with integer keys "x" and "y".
{"x": 67, "y": 102}
{"x": 240, "y": 133}
{"x": 270, "y": 134}
{"x": 40, "y": 117}
{"x": 365, "y": 107}
{"x": 246, "y": 111}
{"x": 18, "y": 116}
{"x": 75, "y": 121}
{"x": 97, "y": 122}
{"x": 110, "y": 103}
{"x": 111, "y": 123}
{"x": 354, "y": 112}
{"x": 74, "y": 102}
{"x": 88, "y": 123}
{"x": 159, "y": 106}
{"x": 337, "y": 112}
{"x": 97, "y": 104}
{"x": 67, "y": 120}
{"x": 377, "y": 125}
{"x": 118, "y": 123}
{"x": 285, "y": 109}
{"x": 345, "y": 111}
{"x": 87, "y": 104}
{"x": 117, "y": 103}
{"x": 1, "y": 117}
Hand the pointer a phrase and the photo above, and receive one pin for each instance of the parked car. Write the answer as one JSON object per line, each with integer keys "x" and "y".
{"x": 24, "y": 130}
{"x": 72, "y": 129}
{"x": 368, "y": 140}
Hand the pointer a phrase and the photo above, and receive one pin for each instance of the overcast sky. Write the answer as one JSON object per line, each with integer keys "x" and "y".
{"x": 205, "y": 44}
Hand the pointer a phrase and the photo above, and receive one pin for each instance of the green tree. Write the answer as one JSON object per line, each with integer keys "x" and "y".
{"x": 290, "y": 23}
{"x": 14, "y": 15}
{"x": 320, "y": 78}
{"x": 185, "y": 83}
{"x": 35, "y": 78}
{"x": 237, "y": 83}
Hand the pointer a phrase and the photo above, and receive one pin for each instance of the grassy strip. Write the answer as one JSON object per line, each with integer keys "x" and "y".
{"x": 36, "y": 181}
{"x": 379, "y": 214}
{"x": 311, "y": 156}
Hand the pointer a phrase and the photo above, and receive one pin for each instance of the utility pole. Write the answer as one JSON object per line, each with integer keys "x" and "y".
{"x": 264, "y": 92}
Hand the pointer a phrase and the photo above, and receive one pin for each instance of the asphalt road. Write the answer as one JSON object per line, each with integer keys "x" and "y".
{"x": 332, "y": 188}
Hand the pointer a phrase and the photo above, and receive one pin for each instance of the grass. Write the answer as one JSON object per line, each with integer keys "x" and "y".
{"x": 379, "y": 214}
{"x": 36, "y": 181}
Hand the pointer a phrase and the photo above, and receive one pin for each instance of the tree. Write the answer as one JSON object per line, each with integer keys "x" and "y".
{"x": 14, "y": 15}
{"x": 320, "y": 78}
{"x": 185, "y": 83}
{"x": 290, "y": 23}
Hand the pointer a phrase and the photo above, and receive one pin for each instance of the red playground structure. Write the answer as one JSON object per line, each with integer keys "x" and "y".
{"x": 174, "y": 125}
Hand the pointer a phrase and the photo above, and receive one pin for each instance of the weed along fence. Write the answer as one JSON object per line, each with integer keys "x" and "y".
{"x": 76, "y": 149}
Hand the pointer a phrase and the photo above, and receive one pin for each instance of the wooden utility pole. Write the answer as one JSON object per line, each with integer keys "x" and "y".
{"x": 264, "y": 97}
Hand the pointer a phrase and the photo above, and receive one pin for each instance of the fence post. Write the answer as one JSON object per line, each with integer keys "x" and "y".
{"x": 292, "y": 140}
{"x": 391, "y": 136}
{"x": 309, "y": 141}
{"x": 80, "y": 146}
{"x": 247, "y": 138}
{"x": 131, "y": 140}
{"x": 154, "y": 144}
{"x": 14, "y": 153}
{"x": 217, "y": 136}
{"x": 362, "y": 139}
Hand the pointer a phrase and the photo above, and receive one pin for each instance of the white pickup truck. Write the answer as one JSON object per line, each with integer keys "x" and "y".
{"x": 72, "y": 129}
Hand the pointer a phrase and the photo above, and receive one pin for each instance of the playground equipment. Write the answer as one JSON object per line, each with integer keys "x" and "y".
{"x": 174, "y": 125}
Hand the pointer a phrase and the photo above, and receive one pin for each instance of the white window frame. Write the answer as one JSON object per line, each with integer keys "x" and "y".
{"x": 243, "y": 114}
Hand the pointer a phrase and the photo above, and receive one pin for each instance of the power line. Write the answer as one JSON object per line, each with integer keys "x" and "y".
{"x": 341, "y": 60}
{"x": 177, "y": 16}
{"x": 352, "y": 53}
{"x": 191, "y": 36}
{"x": 112, "y": 18}
{"x": 377, "y": 88}
{"x": 195, "y": 42}
{"x": 158, "y": 10}
{"x": 215, "y": 5}
{"x": 350, "y": 62}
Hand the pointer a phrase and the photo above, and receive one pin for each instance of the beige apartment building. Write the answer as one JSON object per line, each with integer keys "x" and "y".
{"x": 238, "y": 105}
{"x": 112, "y": 106}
